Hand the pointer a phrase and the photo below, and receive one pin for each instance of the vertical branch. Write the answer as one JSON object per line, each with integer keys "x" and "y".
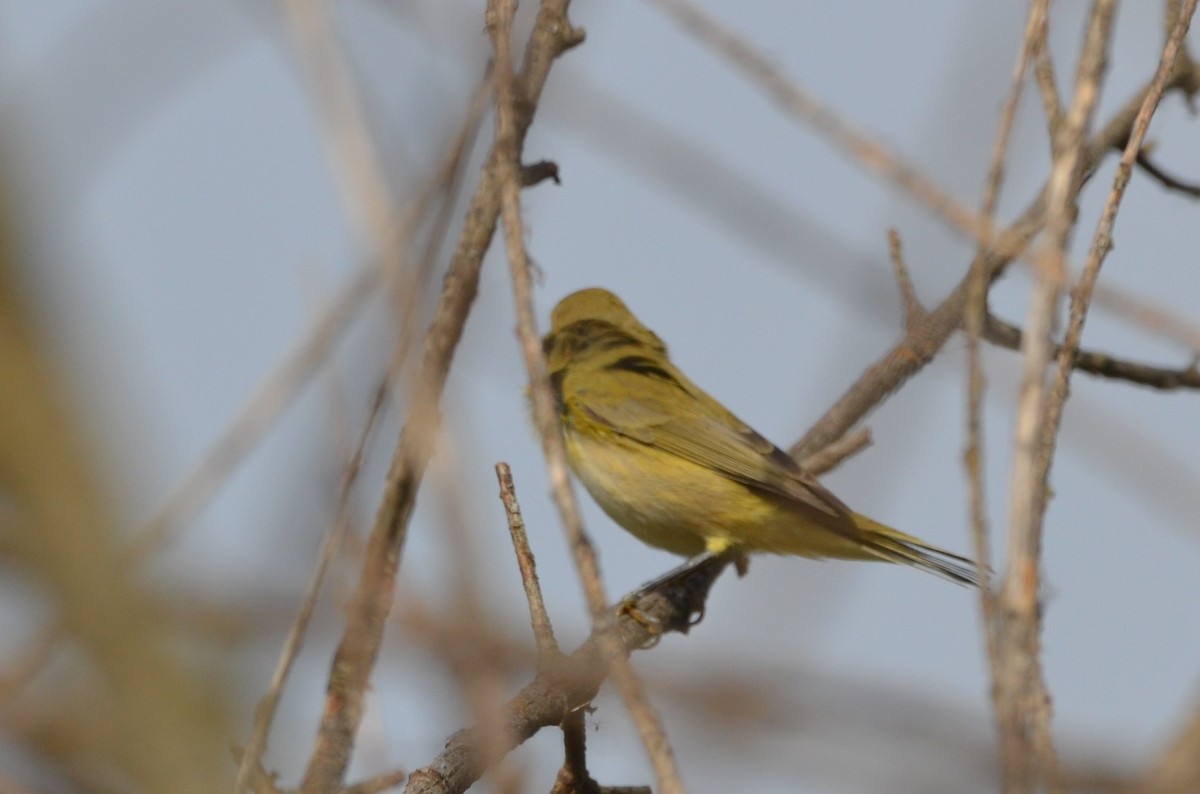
{"x": 975, "y": 308}
{"x": 1023, "y": 702}
{"x": 1100, "y": 246}
{"x": 573, "y": 778}
{"x": 500, "y": 13}
{"x": 508, "y": 170}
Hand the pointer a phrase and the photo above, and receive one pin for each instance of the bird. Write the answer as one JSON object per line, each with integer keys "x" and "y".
{"x": 678, "y": 470}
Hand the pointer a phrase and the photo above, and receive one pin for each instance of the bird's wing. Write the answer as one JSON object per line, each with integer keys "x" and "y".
{"x": 654, "y": 404}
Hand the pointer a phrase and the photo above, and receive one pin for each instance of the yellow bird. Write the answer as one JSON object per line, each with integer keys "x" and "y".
{"x": 674, "y": 467}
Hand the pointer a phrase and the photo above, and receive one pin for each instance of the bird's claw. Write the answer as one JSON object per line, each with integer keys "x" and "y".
{"x": 653, "y": 626}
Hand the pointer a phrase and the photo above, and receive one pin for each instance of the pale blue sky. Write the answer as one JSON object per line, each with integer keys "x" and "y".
{"x": 188, "y": 232}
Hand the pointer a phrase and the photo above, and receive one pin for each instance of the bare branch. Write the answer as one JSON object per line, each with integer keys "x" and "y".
{"x": 543, "y": 632}
{"x": 351, "y": 149}
{"x": 573, "y": 778}
{"x": 574, "y": 681}
{"x": 914, "y": 351}
{"x": 1042, "y": 404}
{"x": 831, "y": 456}
{"x": 869, "y": 153}
{"x": 447, "y": 181}
{"x": 500, "y": 13}
{"x": 371, "y": 603}
{"x": 1020, "y": 695}
{"x": 1103, "y": 365}
{"x": 1102, "y": 239}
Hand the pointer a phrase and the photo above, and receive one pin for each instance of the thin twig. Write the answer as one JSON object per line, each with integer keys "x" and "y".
{"x": 543, "y": 632}
{"x": 279, "y": 389}
{"x": 914, "y": 312}
{"x": 471, "y": 649}
{"x": 500, "y": 13}
{"x": 357, "y": 166}
{"x": 508, "y": 176}
{"x": 447, "y": 179}
{"x": 1043, "y": 70}
{"x": 371, "y": 603}
{"x": 264, "y": 713}
{"x": 1169, "y": 182}
{"x": 573, "y": 777}
{"x": 1103, "y": 365}
{"x": 869, "y": 153}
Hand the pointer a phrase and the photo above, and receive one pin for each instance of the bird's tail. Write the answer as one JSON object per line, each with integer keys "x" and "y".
{"x": 895, "y": 546}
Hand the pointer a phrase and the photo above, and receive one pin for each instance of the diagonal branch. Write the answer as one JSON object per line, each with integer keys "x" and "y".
{"x": 573, "y": 682}
{"x": 448, "y": 178}
{"x": 371, "y": 602}
{"x": 543, "y": 631}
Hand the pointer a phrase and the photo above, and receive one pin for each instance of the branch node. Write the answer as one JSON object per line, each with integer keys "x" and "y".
{"x": 914, "y": 312}
{"x": 571, "y": 37}
{"x": 540, "y": 171}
